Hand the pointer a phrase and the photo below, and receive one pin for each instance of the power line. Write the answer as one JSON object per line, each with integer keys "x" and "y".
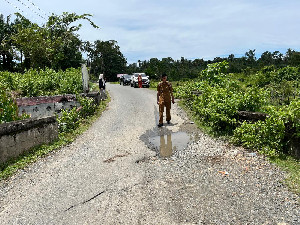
{"x": 15, "y": 6}
{"x": 43, "y": 12}
{"x": 27, "y": 6}
{"x": 31, "y": 9}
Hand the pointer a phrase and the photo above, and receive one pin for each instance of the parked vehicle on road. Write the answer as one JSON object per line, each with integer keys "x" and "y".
{"x": 125, "y": 79}
{"x": 145, "y": 80}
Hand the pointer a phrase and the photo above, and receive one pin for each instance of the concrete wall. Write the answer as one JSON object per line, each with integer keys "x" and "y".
{"x": 19, "y": 136}
{"x": 46, "y": 109}
{"x": 44, "y": 106}
{"x": 38, "y": 107}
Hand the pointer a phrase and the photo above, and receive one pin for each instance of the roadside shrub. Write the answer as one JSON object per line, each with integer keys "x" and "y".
{"x": 289, "y": 73}
{"x": 270, "y": 136}
{"x": 68, "y": 120}
{"x": 217, "y": 98}
{"x": 87, "y": 106}
{"x": 217, "y": 105}
{"x": 215, "y": 73}
{"x": 185, "y": 90}
{"x": 269, "y": 75}
{"x": 43, "y": 82}
{"x": 284, "y": 92}
{"x": 265, "y": 77}
{"x": 292, "y": 115}
{"x": 9, "y": 108}
{"x": 252, "y": 99}
{"x": 265, "y": 136}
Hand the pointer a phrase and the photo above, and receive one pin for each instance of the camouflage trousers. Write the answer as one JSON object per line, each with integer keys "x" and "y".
{"x": 162, "y": 105}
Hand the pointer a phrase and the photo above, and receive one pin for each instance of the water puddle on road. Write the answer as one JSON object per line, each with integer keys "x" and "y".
{"x": 167, "y": 144}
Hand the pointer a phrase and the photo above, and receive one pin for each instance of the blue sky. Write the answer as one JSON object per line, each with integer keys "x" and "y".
{"x": 192, "y": 29}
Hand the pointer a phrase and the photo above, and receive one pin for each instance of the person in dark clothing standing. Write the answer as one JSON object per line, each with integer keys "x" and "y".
{"x": 102, "y": 87}
{"x": 101, "y": 83}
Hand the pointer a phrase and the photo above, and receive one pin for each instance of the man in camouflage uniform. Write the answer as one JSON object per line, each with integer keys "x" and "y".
{"x": 164, "y": 98}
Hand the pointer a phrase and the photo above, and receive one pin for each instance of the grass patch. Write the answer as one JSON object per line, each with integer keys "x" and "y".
{"x": 292, "y": 167}
{"x": 12, "y": 166}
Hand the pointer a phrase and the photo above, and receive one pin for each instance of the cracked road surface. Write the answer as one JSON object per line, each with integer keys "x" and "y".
{"x": 110, "y": 175}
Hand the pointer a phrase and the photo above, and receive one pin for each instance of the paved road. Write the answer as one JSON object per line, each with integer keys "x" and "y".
{"x": 112, "y": 175}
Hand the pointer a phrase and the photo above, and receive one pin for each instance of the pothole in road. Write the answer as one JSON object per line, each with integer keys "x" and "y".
{"x": 167, "y": 144}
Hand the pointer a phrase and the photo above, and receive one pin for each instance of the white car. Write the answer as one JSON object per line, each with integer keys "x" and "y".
{"x": 145, "y": 80}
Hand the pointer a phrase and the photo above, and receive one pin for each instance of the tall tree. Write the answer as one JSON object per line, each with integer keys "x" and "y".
{"x": 68, "y": 49}
{"x": 277, "y": 58}
{"x": 107, "y": 58}
{"x": 6, "y": 48}
{"x": 292, "y": 57}
{"x": 265, "y": 59}
{"x": 54, "y": 44}
{"x": 250, "y": 57}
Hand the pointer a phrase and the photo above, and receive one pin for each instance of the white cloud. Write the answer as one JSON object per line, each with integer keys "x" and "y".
{"x": 191, "y": 28}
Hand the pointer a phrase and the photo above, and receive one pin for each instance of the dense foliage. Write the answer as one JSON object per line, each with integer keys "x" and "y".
{"x": 105, "y": 57}
{"x": 274, "y": 134}
{"x": 8, "y": 108}
{"x": 25, "y": 45}
{"x": 70, "y": 119}
{"x": 188, "y": 69}
{"x": 44, "y": 82}
{"x": 216, "y": 97}
{"x": 55, "y": 45}
{"x": 34, "y": 83}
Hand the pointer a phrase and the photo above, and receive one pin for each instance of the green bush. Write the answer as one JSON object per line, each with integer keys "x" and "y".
{"x": 266, "y": 136}
{"x": 269, "y": 75}
{"x": 252, "y": 99}
{"x": 68, "y": 120}
{"x": 215, "y": 73}
{"x": 289, "y": 73}
{"x": 44, "y": 82}
{"x": 270, "y": 136}
{"x": 218, "y": 105}
{"x": 294, "y": 116}
{"x": 217, "y": 98}
{"x": 87, "y": 106}
{"x": 9, "y": 108}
